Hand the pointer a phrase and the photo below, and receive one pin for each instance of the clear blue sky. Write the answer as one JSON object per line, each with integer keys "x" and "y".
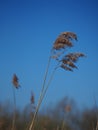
{"x": 28, "y": 29}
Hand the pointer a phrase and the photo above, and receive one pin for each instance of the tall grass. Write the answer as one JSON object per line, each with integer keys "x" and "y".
{"x": 66, "y": 61}
{"x": 15, "y": 86}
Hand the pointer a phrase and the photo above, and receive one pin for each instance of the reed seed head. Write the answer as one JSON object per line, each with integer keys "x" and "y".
{"x": 64, "y": 40}
{"x": 66, "y": 67}
{"x": 69, "y": 35}
{"x": 74, "y": 56}
{"x": 68, "y": 61}
{"x": 32, "y": 99}
{"x": 15, "y": 81}
{"x": 68, "y": 108}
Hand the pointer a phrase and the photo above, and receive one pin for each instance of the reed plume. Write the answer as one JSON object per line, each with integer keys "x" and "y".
{"x": 15, "y": 82}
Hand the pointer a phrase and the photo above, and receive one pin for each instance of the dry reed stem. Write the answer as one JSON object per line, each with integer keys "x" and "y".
{"x": 96, "y": 112}
{"x": 97, "y": 125}
{"x": 62, "y": 127}
{"x": 43, "y": 94}
{"x": 15, "y": 85}
{"x": 14, "y": 114}
{"x": 45, "y": 90}
{"x": 40, "y": 97}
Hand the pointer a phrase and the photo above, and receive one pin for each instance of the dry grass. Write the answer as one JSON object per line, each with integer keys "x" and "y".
{"x": 15, "y": 82}
{"x": 67, "y": 62}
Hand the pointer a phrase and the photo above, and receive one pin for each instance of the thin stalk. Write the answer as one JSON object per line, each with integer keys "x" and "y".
{"x": 96, "y": 113}
{"x": 97, "y": 126}
{"x": 57, "y": 128}
{"x": 52, "y": 75}
{"x": 63, "y": 124}
{"x": 14, "y": 113}
{"x": 41, "y": 93}
{"x": 42, "y": 96}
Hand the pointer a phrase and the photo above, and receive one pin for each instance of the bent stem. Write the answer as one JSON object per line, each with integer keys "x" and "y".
{"x": 40, "y": 97}
{"x": 52, "y": 75}
{"x": 96, "y": 113}
{"x": 14, "y": 113}
{"x": 62, "y": 125}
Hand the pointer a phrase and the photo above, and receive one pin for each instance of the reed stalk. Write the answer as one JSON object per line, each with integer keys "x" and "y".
{"x": 40, "y": 97}
{"x": 14, "y": 112}
{"x": 66, "y": 62}
{"x": 15, "y": 86}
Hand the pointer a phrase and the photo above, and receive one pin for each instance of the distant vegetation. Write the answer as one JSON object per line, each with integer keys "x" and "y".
{"x": 63, "y": 116}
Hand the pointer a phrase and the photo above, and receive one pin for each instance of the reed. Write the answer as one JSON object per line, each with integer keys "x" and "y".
{"x": 66, "y": 61}
{"x": 15, "y": 82}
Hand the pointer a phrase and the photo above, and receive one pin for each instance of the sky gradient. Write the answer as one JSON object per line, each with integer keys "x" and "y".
{"x": 28, "y": 29}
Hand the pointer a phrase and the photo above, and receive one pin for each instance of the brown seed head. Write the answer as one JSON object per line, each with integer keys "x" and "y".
{"x": 68, "y": 108}
{"x": 32, "y": 99}
{"x": 74, "y": 56}
{"x": 64, "y": 40}
{"x": 66, "y": 67}
{"x": 15, "y": 81}
{"x": 69, "y": 35}
{"x": 68, "y": 61}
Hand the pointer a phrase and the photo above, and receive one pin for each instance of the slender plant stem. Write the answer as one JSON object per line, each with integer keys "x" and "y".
{"x": 46, "y": 75}
{"x": 96, "y": 113}
{"x": 57, "y": 128}
{"x": 63, "y": 122}
{"x": 41, "y": 93}
{"x": 42, "y": 96}
{"x": 97, "y": 126}
{"x": 14, "y": 113}
{"x": 52, "y": 75}
{"x": 62, "y": 125}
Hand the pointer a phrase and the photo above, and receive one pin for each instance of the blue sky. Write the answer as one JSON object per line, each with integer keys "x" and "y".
{"x": 28, "y": 29}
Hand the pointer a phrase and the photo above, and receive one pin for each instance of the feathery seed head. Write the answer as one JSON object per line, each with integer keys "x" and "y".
{"x": 15, "y": 81}
{"x": 65, "y": 67}
{"x": 68, "y": 108}
{"x": 68, "y": 61}
{"x": 69, "y": 35}
{"x": 74, "y": 56}
{"x": 32, "y": 99}
{"x": 64, "y": 40}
